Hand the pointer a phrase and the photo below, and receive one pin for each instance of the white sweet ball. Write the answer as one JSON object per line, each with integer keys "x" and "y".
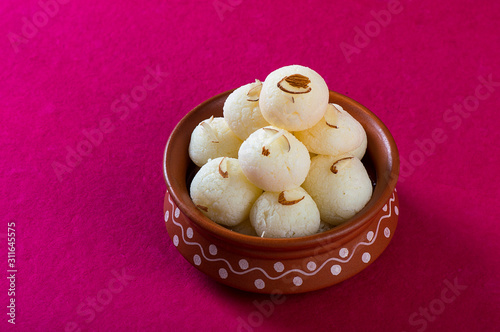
{"x": 337, "y": 133}
{"x": 291, "y": 213}
{"x": 211, "y": 139}
{"x": 242, "y": 111}
{"x": 340, "y": 186}
{"x": 245, "y": 228}
{"x": 274, "y": 160}
{"x": 360, "y": 151}
{"x": 294, "y": 98}
{"x": 323, "y": 227}
{"x": 222, "y": 192}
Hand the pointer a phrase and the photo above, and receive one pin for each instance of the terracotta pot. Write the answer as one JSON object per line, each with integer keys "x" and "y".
{"x": 294, "y": 265}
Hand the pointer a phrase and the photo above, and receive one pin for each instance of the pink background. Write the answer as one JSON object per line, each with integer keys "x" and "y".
{"x": 91, "y": 217}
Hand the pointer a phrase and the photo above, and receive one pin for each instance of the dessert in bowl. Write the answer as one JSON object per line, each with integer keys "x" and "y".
{"x": 286, "y": 265}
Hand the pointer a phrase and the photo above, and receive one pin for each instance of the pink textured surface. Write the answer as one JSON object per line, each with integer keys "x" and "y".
{"x": 102, "y": 215}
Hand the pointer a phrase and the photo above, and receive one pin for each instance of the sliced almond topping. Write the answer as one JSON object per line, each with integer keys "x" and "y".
{"x": 270, "y": 129}
{"x": 334, "y": 169}
{"x": 331, "y": 117}
{"x": 282, "y": 200}
{"x": 224, "y": 174}
{"x": 254, "y": 92}
{"x": 201, "y": 207}
{"x": 273, "y": 138}
{"x": 210, "y": 131}
{"x": 296, "y": 81}
{"x": 335, "y": 108}
{"x": 279, "y": 134}
{"x": 288, "y": 147}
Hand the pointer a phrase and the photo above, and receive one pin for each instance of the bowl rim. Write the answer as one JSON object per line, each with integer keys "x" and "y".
{"x": 258, "y": 243}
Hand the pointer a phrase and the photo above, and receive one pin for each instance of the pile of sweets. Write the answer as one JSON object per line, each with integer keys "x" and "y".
{"x": 282, "y": 162}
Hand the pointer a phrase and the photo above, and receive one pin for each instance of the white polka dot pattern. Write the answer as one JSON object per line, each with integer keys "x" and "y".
{"x": 344, "y": 254}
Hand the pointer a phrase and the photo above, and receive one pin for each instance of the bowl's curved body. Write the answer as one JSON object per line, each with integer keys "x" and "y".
{"x": 281, "y": 265}
{"x": 279, "y": 272}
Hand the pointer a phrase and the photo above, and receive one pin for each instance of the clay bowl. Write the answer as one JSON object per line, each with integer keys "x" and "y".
{"x": 286, "y": 266}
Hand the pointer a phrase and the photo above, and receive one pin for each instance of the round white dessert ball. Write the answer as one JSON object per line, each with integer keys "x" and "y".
{"x": 274, "y": 160}
{"x": 360, "y": 151}
{"x": 242, "y": 111}
{"x": 323, "y": 227}
{"x": 222, "y": 192}
{"x": 245, "y": 228}
{"x": 340, "y": 186}
{"x": 294, "y": 98}
{"x": 211, "y": 139}
{"x": 337, "y": 133}
{"x": 286, "y": 214}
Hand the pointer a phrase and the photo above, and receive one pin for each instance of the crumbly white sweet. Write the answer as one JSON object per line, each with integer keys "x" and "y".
{"x": 222, "y": 192}
{"x": 260, "y": 193}
{"x": 289, "y": 101}
{"x": 211, "y": 139}
{"x": 273, "y": 219}
{"x": 244, "y": 227}
{"x": 361, "y": 150}
{"x": 274, "y": 160}
{"x": 242, "y": 111}
{"x": 340, "y": 186}
{"x": 335, "y": 134}
{"x": 323, "y": 227}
